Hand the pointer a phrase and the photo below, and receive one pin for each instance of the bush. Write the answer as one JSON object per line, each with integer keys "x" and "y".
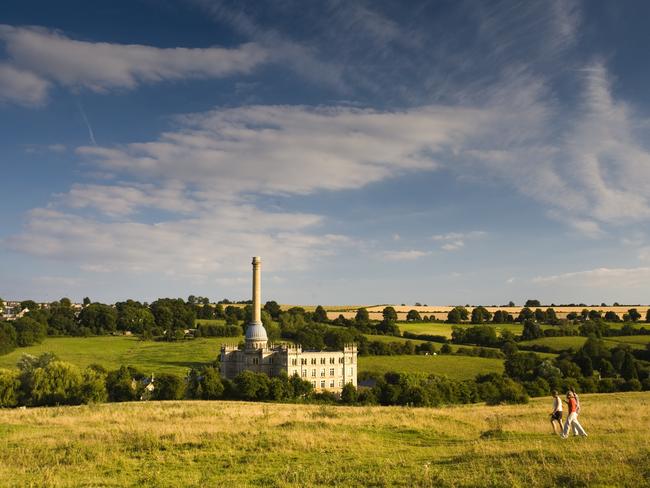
{"x": 349, "y": 394}
{"x": 121, "y": 386}
{"x": 58, "y": 383}
{"x": 29, "y": 332}
{"x": 7, "y": 338}
{"x": 205, "y": 384}
{"x": 9, "y": 388}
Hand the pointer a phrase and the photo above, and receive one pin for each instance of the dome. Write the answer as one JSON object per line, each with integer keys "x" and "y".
{"x": 256, "y": 332}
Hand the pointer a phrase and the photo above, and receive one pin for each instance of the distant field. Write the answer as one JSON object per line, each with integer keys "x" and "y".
{"x": 455, "y": 367}
{"x": 112, "y": 352}
{"x": 203, "y": 443}
{"x": 576, "y": 342}
{"x": 437, "y": 328}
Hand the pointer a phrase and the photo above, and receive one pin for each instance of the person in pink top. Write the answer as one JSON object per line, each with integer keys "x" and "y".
{"x": 572, "y": 418}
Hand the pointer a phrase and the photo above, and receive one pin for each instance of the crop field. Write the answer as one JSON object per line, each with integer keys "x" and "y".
{"x": 454, "y": 367}
{"x": 169, "y": 444}
{"x": 112, "y": 352}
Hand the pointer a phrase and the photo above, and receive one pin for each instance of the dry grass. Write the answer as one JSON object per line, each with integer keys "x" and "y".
{"x": 255, "y": 444}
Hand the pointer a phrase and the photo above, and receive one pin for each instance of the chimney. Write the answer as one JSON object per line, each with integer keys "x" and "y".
{"x": 257, "y": 290}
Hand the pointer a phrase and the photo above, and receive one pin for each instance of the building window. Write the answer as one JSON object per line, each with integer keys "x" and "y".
{"x": 351, "y": 371}
{"x": 331, "y": 383}
{"x": 313, "y": 383}
{"x": 303, "y": 361}
{"x": 294, "y": 362}
{"x": 352, "y": 359}
{"x": 322, "y": 372}
{"x": 341, "y": 360}
{"x": 313, "y": 360}
{"x": 332, "y": 372}
{"x": 332, "y": 360}
{"x": 322, "y": 384}
{"x": 313, "y": 372}
{"x": 256, "y": 361}
{"x": 340, "y": 382}
{"x": 304, "y": 373}
{"x": 322, "y": 360}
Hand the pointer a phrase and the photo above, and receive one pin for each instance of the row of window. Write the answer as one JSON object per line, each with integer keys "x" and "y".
{"x": 331, "y": 383}
{"x": 332, "y": 371}
{"x": 303, "y": 361}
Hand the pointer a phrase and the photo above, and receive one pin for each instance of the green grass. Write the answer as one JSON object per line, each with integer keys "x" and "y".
{"x": 112, "y": 352}
{"x": 454, "y": 367}
{"x": 444, "y": 329}
{"x": 197, "y": 444}
{"x": 576, "y": 342}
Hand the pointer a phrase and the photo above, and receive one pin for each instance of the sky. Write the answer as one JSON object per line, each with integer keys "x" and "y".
{"x": 442, "y": 152}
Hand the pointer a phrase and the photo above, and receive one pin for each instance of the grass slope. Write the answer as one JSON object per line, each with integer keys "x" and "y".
{"x": 112, "y": 352}
{"x": 576, "y": 342}
{"x": 455, "y": 367}
{"x": 173, "y": 444}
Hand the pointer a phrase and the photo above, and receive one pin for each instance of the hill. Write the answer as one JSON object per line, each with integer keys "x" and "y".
{"x": 285, "y": 445}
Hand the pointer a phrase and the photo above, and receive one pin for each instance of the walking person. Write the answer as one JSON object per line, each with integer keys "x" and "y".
{"x": 572, "y": 418}
{"x": 575, "y": 395}
{"x": 556, "y": 414}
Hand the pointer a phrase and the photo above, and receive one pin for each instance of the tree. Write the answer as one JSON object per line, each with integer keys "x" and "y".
{"x": 58, "y": 383}
{"x": 389, "y": 313}
{"x": 531, "y": 331}
{"x": 86, "y": 301}
{"x": 349, "y": 394}
{"x": 511, "y": 303}
{"x": 252, "y": 386}
{"x": 134, "y": 317}
{"x": 7, "y": 338}
{"x": 29, "y": 304}
{"x": 629, "y": 367}
{"x": 525, "y": 314}
{"x": 551, "y": 317}
{"x": 273, "y": 309}
{"x": 320, "y": 315}
{"x": 121, "y": 385}
{"x": 647, "y": 316}
{"x": 480, "y": 315}
{"x": 457, "y": 315}
{"x": 532, "y": 303}
{"x": 633, "y": 314}
{"x": 502, "y": 317}
{"x": 99, "y": 318}
{"x": 362, "y": 316}
{"x": 611, "y": 316}
{"x": 168, "y": 386}
{"x": 29, "y": 332}
{"x": 413, "y": 316}
{"x": 9, "y": 388}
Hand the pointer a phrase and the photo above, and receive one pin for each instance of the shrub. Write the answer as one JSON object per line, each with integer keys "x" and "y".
{"x": 349, "y": 394}
{"x": 205, "y": 384}
{"x": 121, "y": 386}
{"x": 9, "y": 388}
{"x": 58, "y": 383}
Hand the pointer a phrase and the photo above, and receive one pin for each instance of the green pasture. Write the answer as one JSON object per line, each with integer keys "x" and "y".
{"x": 112, "y": 352}
{"x": 454, "y": 367}
{"x": 576, "y": 342}
{"x": 444, "y": 329}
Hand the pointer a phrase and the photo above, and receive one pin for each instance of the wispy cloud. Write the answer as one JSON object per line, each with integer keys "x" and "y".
{"x": 409, "y": 255}
{"x": 39, "y": 57}
{"x": 454, "y": 241}
{"x": 600, "y": 277}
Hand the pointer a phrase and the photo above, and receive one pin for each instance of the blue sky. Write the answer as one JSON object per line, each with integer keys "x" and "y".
{"x": 371, "y": 152}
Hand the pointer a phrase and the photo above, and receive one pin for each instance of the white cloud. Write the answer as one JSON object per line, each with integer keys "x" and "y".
{"x": 453, "y": 241}
{"x": 600, "y": 277}
{"x": 198, "y": 246}
{"x": 38, "y": 55}
{"x": 410, "y": 255}
{"x": 293, "y": 150}
{"x": 20, "y": 86}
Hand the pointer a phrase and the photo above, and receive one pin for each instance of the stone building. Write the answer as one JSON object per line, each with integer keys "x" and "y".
{"x": 326, "y": 370}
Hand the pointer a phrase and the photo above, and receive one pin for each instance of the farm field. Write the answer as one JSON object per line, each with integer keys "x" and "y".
{"x": 438, "y": 328}
{"x": 454, "y": 367}
{"x": 168, "y": 444}
{"x": 112, "y": 352}
{"x": 575, "y": 342}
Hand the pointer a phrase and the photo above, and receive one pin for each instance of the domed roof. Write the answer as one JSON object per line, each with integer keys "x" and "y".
{"x": 256, "y": 332}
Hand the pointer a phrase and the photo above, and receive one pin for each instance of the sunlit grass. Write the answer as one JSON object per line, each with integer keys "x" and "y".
{"x": 254, "y": 444}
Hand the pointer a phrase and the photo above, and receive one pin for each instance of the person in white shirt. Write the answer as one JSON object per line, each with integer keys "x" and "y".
{"x": 556, "y": 414}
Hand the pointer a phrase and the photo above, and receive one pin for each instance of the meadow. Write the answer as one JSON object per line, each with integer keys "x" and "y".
{"x": 576, "y": 342}
{"x": 178, "y": 357}
{"x": 195, "y": 443}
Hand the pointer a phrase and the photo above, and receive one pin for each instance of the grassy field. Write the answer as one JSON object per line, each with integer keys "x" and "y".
{"x": 576, "y": 342}
{"x": 112, "y": 352}
{"x": 455, "y": 367}
{"x": 198, "y": 444}
{"x": 437, "y": 328}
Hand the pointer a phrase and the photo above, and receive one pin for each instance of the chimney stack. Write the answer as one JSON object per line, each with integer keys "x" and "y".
{"x": 257, "y": 290}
